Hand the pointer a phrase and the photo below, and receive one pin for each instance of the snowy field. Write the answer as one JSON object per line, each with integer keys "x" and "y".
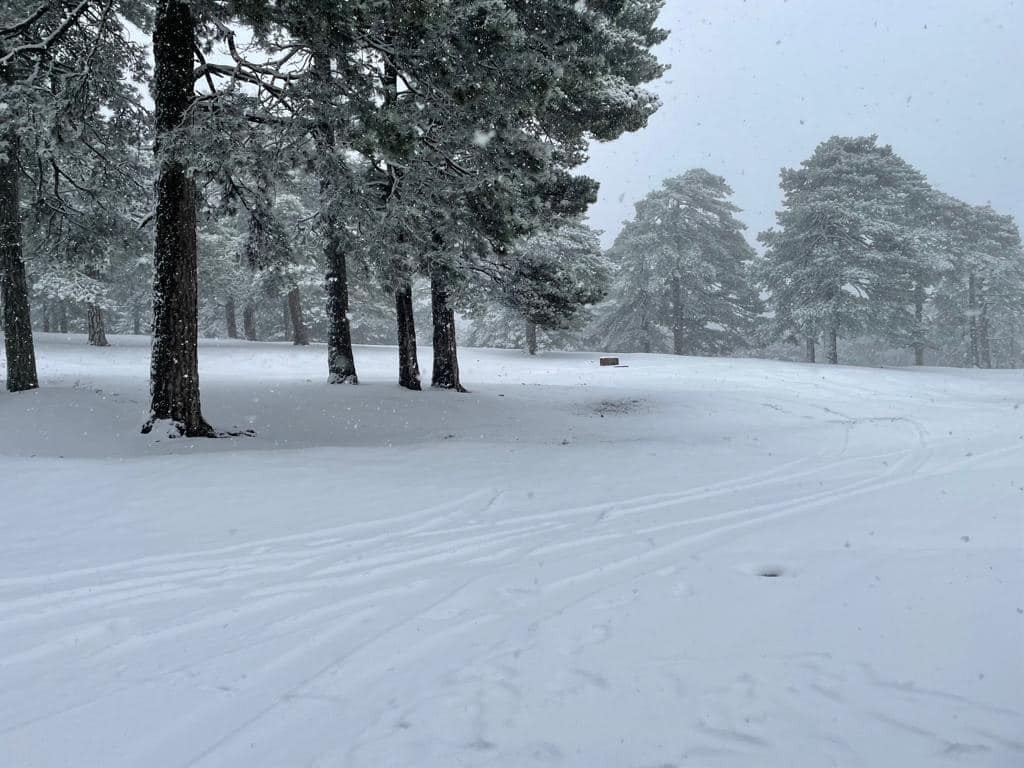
{"x": 680, "y": 562}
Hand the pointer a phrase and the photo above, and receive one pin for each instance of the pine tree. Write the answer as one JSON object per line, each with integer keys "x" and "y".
{"x": 683, "y": 272}
{"x": 60, "y": 63}
{"x": 842, "y": 246}
{"x": 981, "y": 286}
{"x": 551, "y": 278}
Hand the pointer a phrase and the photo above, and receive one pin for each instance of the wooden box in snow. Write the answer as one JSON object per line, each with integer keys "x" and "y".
{"x": 609, "y": 361}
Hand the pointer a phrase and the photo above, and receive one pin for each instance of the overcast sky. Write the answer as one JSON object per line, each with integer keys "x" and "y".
{"x": 754, "y": 86}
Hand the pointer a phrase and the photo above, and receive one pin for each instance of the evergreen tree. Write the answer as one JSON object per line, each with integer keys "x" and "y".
{"x": 683, "y": 277}
{"x": 552, "y": 277}
{"x": 843, "y": 239}
{"x": 982, "y": 285}
{"x": 61, "y": 64}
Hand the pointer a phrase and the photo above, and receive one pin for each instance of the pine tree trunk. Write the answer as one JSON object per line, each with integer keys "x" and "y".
{"x": 341, "y": 362}
{"x": 249, "y": 321}
{"x": 97, "y": 328}
{"x": 809, "y": 355}
{"x": 62, "y": 316}
{"x": 231, "y": 317}
{"x": 136, "y": 320}
{"x": 300, "y": 334}
{"x": 833, "y": 346}
{"x": 17, "y": 317}
{"x": 1014, "y": 345}
{"x": 174, "y": 375}
{"x": 531, "y": 337}
{"x": 678, "y": 331}
{"x": 285, "y": 320}
{"x": 984, "y": 341}
{"x": 408, "y": 365}
{"x": 46, "y": 316}
{"x": 446, "y": 357}
{"x": 972, "y": 315}
{"x": 918, "y": 325}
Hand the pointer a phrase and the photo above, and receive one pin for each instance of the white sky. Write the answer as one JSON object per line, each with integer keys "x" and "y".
{"x": 756, "y": 84}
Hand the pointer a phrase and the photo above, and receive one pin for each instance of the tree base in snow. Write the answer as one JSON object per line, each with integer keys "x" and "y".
{"x": 343, "y": 378}
{"x": 172, "y": 430}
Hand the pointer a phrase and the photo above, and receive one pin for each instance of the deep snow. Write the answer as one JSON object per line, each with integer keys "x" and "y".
{"x": 563, "y": 567}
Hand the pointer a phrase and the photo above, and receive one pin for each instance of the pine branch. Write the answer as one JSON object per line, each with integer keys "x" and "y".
{"x": 17, "y": 28}
{"x": 50, "y": 40}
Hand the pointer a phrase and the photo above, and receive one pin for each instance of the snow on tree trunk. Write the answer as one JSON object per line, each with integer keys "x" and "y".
{"x": 249, "y": 321}
{"x": 809, "y": 356}
{"x": 300, "y": 334}
{"x": 833, "y": 345}
{"x": 446, "y": 358}
{"x": 341, "y": 364}
{"x": 408, "y": 365}
{"x": 531, "y": 337}
{"x": 174, "y": 373}
{"x": 231, "y": 317}
{"x": 17, "y": 319}
{"x": 97, "y": 328}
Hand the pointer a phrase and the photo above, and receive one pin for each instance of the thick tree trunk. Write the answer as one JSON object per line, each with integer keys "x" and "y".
{"x": 62, "y": 316}
{"x": 408, "y": 365}
{"x": 341, "y": 362}
{"x": 446, "y": 357}
{"x": 833, "y": 345}
{"x": 174, "y": 376}
{"x": 809, "y": 354}
{"x": 678, "y": 330}
{"x": 97, "y": 328}
{"x": 17, "y": 318}
{"x": 531, "y": 337}
{"x": 300, "y": 334}
{"x": 249, "y": 321}
{"x": 46, "y": 317}
{"x": 918, "y": 325}
{"x": 231, "y": 317}
{"x": 13, "y": 286}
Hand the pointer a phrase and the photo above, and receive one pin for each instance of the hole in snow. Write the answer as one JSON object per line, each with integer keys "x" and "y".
{"x": 771, "y": 571}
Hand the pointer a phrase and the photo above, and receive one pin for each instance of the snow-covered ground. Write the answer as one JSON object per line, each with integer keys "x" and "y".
{"x": 679, "y": 562}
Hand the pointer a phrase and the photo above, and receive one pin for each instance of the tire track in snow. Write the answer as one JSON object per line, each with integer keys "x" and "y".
{"x": 387, "y": 567}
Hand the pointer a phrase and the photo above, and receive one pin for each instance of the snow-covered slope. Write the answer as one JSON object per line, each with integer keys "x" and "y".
{"x": 679, "y": 562}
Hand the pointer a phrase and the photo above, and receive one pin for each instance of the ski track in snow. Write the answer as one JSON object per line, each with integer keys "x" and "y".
{"x": 492, "y": 628}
